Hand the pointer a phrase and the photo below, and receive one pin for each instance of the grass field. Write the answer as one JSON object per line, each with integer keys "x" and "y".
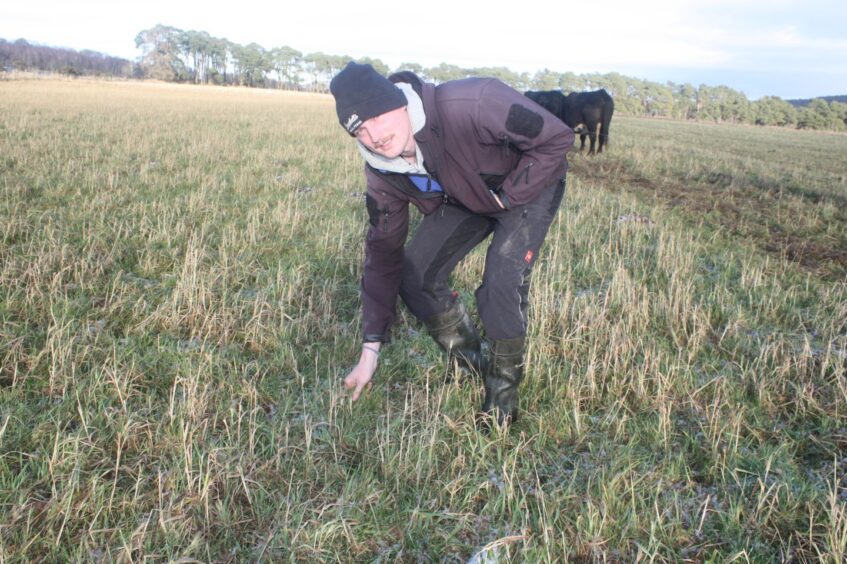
{"x": 179, "y": 301}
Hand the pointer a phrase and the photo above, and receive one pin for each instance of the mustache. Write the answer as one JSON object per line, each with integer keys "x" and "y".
{"x": 383, "y": 141}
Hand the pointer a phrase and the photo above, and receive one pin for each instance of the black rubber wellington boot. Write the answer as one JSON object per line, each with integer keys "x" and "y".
{"x": 502, "y": 377}
{"x": 454, "y": 331}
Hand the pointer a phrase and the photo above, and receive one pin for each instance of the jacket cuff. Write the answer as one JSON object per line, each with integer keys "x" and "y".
{"x": 376, "y": 339}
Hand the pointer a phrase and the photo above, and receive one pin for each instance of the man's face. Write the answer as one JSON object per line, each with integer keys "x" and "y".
{"x": 388, "y": 134}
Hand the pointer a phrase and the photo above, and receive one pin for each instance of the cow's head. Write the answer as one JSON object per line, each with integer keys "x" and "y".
{"x": 550, "y": 100}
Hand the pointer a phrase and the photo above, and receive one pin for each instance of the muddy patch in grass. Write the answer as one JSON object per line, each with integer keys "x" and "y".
{"x": 742, "y": 208}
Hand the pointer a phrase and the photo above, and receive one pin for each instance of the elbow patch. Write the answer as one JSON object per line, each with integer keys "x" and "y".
{"x": 523, "y": 121}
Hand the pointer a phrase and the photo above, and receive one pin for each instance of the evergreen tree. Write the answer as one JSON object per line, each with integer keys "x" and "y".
{"x": 160, "y": 57}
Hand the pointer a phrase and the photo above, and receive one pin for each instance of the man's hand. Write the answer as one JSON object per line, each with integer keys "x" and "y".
{"x": 361, "y": 375}
{"x": 497, "y": 199}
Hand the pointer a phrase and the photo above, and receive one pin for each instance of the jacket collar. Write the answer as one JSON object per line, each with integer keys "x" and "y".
{"x": 428, "y": 139}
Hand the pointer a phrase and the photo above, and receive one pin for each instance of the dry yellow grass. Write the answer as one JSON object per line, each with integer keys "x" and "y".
{"x": 178, "y": 301}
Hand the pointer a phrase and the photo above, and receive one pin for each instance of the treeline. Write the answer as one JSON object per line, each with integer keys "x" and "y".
{"x": 172, "y": 54}
{"x": 805, "y": 102}
{"x": 24, "y": 56}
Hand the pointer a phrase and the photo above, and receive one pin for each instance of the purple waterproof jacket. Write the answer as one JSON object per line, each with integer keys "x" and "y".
{"x": 481, "y": 136}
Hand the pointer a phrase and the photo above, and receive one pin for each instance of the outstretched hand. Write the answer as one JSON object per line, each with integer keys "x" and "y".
{"x": 361, "y": 375}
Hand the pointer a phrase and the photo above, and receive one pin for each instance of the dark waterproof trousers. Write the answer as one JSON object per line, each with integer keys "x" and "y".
{"x": 446, "y": 236}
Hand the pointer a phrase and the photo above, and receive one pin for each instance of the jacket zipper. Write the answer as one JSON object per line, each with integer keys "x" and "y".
{"x": 524, "y": 172}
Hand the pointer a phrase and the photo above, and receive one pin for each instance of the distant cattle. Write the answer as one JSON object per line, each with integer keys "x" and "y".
{"x": 587, "y": 113}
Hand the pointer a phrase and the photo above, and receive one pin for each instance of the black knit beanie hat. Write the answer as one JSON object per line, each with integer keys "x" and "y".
{"x": 362, "y": 93}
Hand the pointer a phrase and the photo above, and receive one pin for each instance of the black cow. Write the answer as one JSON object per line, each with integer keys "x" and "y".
{"x": 587, "y": 113}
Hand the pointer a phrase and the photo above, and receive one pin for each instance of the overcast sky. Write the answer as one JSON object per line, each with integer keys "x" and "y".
{"x": 786, "y": 48}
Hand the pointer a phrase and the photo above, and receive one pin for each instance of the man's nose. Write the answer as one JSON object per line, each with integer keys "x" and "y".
{"x": 375, "y": 131}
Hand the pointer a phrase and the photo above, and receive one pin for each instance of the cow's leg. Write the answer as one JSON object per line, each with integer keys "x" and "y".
{"x": 580, "y": 130}
{"x": 606, "y": 124}
{"x": 600, "y": 136}
{"x": 592, "y": 135}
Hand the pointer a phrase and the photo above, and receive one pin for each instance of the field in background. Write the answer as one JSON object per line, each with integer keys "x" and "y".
{"x": 783, "y": 190}
{"x": 178, "y": 303}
